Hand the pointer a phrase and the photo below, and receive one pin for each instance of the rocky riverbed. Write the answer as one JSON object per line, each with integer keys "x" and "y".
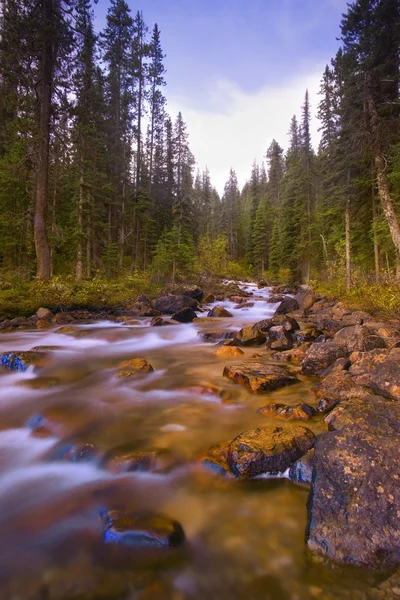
{"x": 232, "y": 445}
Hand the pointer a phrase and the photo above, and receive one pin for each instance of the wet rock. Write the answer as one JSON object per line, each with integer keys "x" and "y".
{"x": 159, "y": 322}
{"x": 298, "y": 412}
{"x": 216, "y": 335}
{"x": 193, "y": 291}
{"x": 259, "y": 377}
{"x": 134, "y": 367}
{"x": 141, "y": 530}
{"x": 72, "y": 330}
{"x": 320, "y": 356}
{"x": 364, "y": 363}
{"x": 186, "y": 315}
{"x": 301, "y": 471}
{"x": 128, "y": 457}
{"x": 216, "y": 460}
{"x": 248, "y": 336}
{"x": 268, "y": 449}
{"x": 228, "y": 351}
{"x": 354, "y": 503}
{"x": 371, "y": 413}
{"x": 326, "y": 404}
{"x": 47, "y": 348}
{"x": 385, "y": 377}
{"x": 305, "y": 335}
{"x": 171, "y": 304}
{"x": 219, "y": 311}
{"x": 358, "y": 337}
{"x": 208, "y": 299}
{"x": 44, "y": 314}
{"x": 285, "y": 321}
{"x": 274, "y": 299}
{"x": 339, "y": 386}
{"x": 279, "y": 338}
{"x": 62, "y": 318}
{"x": 43, "y": 324}
{"x": 295, "y": 356}
{"x": 21, "y": 361}
{"x": 305, "y": 297}
{"x": 244, "y": 305}
{"x": 287, "y": 305}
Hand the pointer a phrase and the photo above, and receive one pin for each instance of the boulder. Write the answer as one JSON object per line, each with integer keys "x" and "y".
{"x": 228, "y": 351}
{"x": 338, "y": 386}
{"x": 354, "y": 502}
{"x": 370, "y": 413}
{"x": 301, "y": 471}
{"x": 21, "y": 361}
{"x": 320, "y": 356}
{"x": 143, "y": 300}
{"x": 305, "y": 297}
{"x": 279, "y": 338}
{"x": 248, "y": 336}
{"x": 297, "y": 412}
{"x": 216, "y": 335}
{"x": 259, "y": 377}
{"x": 288, "y": 323}
{"x": 208, "y": 299}
{"x": 44, "y": 314}
{"x": 138, "y": 530}
{"x": 305, "y": 335}
{"x": 193, "y": 291}
{"x": 385, "y": 377}
{"x": 287, "y": 305}
{"x": 216, "y": 459}
{"x": 133, "y": 367}
{"x": 364, "y": 363}
{"x": 243, "y": 305}
{"x": 268, "y": 449}
{"x": 274, "y": 299}
{"x": 43, "y": 324}
{"x": 358, "y": 337}
{"x": 171, "y": 304}
{"x": 294, "y": 356}
{"x": 185, "y": 315}
{"x": 219, "y": 311}
{"x": 159, "y": 322}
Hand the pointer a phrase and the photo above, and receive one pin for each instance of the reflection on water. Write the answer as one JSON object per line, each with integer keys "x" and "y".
{"x": 245, "y": 539}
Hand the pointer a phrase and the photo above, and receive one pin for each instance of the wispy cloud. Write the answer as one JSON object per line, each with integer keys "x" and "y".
{"x": 241, "y": 125}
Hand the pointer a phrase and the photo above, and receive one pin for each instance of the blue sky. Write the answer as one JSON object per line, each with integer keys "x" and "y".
{"x": 238, "y": 70}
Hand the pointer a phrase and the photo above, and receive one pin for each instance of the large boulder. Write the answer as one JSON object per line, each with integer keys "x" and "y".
{"x": 249, "y": 336}
{"x": 354, "y": 503}
{"x": 268, "y": 449}
{"x": 44, "y": 314}
{"x": 287, "y": 305}
{"x": 364, "y": 363}
{"x": 385, "y": 378}
{"x": 219, "y": 311}
{"x": 172, "y": 303}
{"x": 338, "y": 386}
{"x": 358, "y": 337}
{"x": 193, "y": 291}
{"x": 305, "y": 297}
{"x": 320, "y": 356}
{"x": 259, "y": 377}
{"x": 370, "y": 413}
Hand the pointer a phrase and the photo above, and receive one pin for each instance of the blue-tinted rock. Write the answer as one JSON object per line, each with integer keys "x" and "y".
{"x": 138, "y": 530}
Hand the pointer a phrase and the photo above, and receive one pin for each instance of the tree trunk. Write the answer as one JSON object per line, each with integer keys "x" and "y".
{"x": 376, "y": 244}
{"x": 79, "y": 251}
{"x": 380, "y": 166}
{"x": 43, "y": 260}
{"x": 348, "y": 247}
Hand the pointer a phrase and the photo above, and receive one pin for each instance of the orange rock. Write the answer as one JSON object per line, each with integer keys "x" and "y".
{"x": 225, "y": 351}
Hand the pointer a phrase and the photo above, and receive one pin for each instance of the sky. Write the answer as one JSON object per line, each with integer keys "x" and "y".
{"x": 238, "y": 71}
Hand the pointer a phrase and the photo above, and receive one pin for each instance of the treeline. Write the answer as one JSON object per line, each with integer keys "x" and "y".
{"x": 97, "y": 178}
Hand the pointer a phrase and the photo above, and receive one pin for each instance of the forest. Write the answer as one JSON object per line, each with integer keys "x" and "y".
{"x": 97, "y": 180}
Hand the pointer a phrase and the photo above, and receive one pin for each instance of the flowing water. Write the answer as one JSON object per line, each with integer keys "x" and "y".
{"x": 245, "y": 540}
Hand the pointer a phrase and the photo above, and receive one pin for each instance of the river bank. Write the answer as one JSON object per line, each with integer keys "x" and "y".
{"x": 105, "y": 418}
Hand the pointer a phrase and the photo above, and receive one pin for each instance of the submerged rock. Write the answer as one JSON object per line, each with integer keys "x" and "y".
{"x": 299, "y": 412}
{"x": 138, "y": 530}
{"x": 259, "y": 377}
{"x": 227, "y": 351}
{"x": 216, "y": 460}
{"x": 21, "y": 361}
{"x": 268, "y": 449}
{"x": 354, "y": 503}
{"x": 219, "y": 311}
{"x": 134, "y": 367}
{"x": 128, "y": 457}
{"x": 216, "y": 335}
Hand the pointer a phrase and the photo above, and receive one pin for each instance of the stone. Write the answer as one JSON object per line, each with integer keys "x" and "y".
{"x": 305, "y": 297}
{"x": 320, "y": 356}
{"x": 294, "y": 356}
{"x": 287, "y": 305}
{"x": 304, "y": 335}
{"x": 143, "y": 300}
{"x": 259, "y": 377}
{"x": 279, "y": 338}
{"x": 385, "y": 377}
{"x": 248, "y": 336}
{"x": 208, "y": 299}
{"x": 193, "y": 291}
{"x": 339, "y": 386}
{"x": 227, "y": 351}
{"x": 21, "y": 361}
{"x": 358, "y": 337}
{"x": 285, "y": 321}
{"x": 219, "y": 311}
{"x": 44, "y": 314}
{"x": 354, "y": 502}
{"x": 141, "y": 530}
{"x": 185, "y": 315}
{"x": 134, "y": 367}
{"x": 371, "y": 413}
{"x": 268, "y": 449}
{"x": 298, "y": 412}
{"x": 216, "y": 335}
{"x": 71, "y": 329}
{"x": 243, "y": 305}
{"x": 171, "y": 304}
{"x": 216, "y": 460}
{"x": 128, "y": 457}
{"x": 362, "y": 364}
{"x": 274, "y": 299}
{"x": 159, "y": 322}
{"x": 301, "y": 471}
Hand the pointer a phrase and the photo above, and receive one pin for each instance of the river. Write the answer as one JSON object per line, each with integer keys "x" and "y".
{"x": 244, "y": 539}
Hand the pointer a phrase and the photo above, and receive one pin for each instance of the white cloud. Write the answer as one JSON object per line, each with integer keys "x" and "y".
{"x": 243, "y": 130}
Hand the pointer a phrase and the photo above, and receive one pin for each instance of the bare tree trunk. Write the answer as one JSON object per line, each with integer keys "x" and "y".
{"x": 380, "y": 166}
{"x": 88, "y": 249}
{"x": 43, "y": 266}
{"x": 376, "y": 244}
{"x": 348, "y": 247}
{"x": 79, "y": 251}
